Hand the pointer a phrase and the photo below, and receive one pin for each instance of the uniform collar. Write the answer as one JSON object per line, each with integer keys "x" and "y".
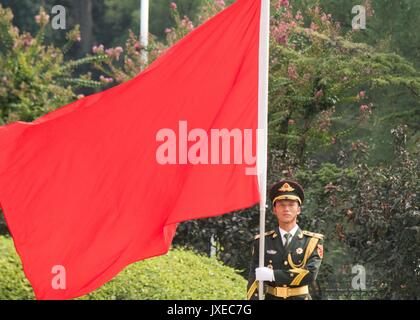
{"x": 292, "y": 232}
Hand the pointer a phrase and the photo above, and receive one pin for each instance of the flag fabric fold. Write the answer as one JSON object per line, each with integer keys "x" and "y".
{"x": 81, "y": 187}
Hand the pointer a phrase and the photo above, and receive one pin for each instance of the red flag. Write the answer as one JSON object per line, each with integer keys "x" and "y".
{"x": 83, "y": 189}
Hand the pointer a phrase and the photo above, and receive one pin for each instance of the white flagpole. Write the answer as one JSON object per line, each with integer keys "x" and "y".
{"x": 262, "y": 126}
{"x": 144, "y": 28}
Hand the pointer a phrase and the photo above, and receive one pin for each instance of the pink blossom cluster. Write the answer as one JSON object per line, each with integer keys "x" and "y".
{"x": 111, "y": 52}
{"x": 361, "y": 95}
{"x": 26, "y": 41}
{"x": 281, "y": 32}
{"x": 282, "y": 28}
{"x": 187, "y": 23}
{"x": 365, "y": 111}
{"x": 281, "y": 3}
{"x": 104, "y": 79}
{"x": 114, "y": 52}
{"x": 42, "y": 18}
{"x": 220, "y": 3}
{"x": 98, "y": 49}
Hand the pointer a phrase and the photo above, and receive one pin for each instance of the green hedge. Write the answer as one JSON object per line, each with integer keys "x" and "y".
{"x": 181, "y": 274}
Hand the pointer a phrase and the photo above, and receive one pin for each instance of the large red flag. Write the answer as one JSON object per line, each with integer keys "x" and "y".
{"x": 84, "y": 190}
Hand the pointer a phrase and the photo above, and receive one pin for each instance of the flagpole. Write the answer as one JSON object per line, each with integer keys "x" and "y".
{"x": 144, "y": 28}
{"x": 262, "y": 126}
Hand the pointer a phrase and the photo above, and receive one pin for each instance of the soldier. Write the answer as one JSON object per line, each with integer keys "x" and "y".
{"x": 292, "y": 256}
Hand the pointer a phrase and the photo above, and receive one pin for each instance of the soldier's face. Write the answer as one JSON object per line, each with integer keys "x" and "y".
{"x": 286, "y": 211}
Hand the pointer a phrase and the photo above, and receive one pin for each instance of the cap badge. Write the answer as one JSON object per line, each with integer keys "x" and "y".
{"x": 286, "y": 188}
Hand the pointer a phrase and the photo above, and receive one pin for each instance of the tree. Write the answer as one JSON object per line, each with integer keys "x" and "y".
{"x": 122, "y": 64}
{"x": 86, "y": 23}
{"x": 316, "y": 72}
{"x": 373, "y": 213}
{"x": 35, "y": 78}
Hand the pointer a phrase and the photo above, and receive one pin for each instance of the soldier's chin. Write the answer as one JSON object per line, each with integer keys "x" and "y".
{"x": 286, "y": 220}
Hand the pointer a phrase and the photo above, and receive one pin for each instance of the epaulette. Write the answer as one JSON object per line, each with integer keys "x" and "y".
{"x": 313, "y": 234}
{"x": 268, "y": 233}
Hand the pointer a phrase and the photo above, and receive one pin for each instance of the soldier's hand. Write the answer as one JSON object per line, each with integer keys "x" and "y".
{"x": 264, "y": 274}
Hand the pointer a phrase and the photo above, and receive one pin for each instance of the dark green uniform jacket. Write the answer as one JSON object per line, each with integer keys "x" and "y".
{"x": 296, "y": 267}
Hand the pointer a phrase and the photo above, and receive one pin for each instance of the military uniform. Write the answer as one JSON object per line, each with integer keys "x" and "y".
{"x": 295, "y": 266}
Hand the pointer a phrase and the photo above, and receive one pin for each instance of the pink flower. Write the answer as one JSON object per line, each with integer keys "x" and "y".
{"x": 282, "y": 39}
{"x": 284, "y": 3}
{"x": 27, "y": 40}
{"x": 313, "y": 27}
{"x": 280, "y": 33}
{"x": 117, "y": 52}
{"x": 319, "y": 94}
{"x": 299, "y": 16}
{"x": 220, "y": 3}
{"x": 364, "y": 108}
{"x": 361, "y": 95}
{"x": 291, "y": 122}
{"x": 168, "y": 30}
{"x": 105, "y": 79}
{"x": 173, "y": 6}
{"x": 109, "y": 52}
{"x": 42, "y": 18}
{"x": 138, "y": 47}
{"x": 187, "y": 23}
{"x": 287, "y": 15}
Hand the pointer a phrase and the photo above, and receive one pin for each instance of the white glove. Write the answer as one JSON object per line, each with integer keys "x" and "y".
{"x": 264, "y": 274}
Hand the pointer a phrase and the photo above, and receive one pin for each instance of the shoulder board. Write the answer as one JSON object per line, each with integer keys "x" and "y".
{"x": 269, "y": 233}
{"x": 313, "y": 234}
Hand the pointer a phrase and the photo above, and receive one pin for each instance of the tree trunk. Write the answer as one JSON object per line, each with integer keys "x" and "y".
{"x": 85, "y": 19}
